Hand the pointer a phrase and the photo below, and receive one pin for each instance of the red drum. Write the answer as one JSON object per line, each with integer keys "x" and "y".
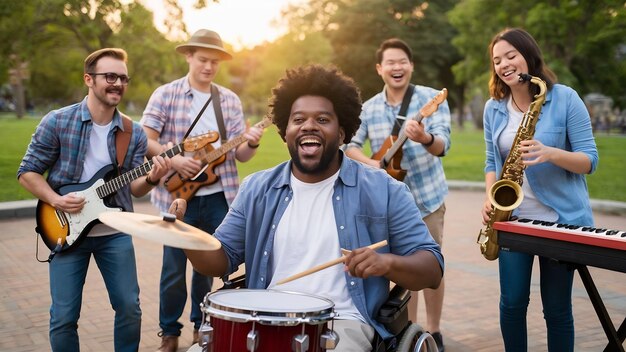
{"x": 265, "y": 321}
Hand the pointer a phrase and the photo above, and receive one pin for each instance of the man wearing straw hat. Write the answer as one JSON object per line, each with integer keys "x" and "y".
{"x": 189, "y": 106}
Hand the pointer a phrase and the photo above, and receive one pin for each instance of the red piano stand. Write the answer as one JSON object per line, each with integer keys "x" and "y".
{"x": 579, "y": 250}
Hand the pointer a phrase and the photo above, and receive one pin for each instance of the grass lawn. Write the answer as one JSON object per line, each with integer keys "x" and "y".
{"x": 465, "y": 160}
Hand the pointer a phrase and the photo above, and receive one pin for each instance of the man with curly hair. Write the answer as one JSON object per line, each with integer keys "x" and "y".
{"x": 304, "y": 211}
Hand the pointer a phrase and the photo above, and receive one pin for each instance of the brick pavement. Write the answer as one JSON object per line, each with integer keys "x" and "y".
{"x": 470, "y": 316}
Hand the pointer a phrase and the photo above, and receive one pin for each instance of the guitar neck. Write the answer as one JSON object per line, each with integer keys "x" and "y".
{"x": 223, "y": 149}
{"x": 215, "y": 154}
{"x": 122, "y": 180}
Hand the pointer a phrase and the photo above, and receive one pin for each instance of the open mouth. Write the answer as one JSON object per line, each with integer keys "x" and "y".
{"x": 397, "y": 76}
{"x": 114, "y": 91}
{"x": 310, "y": 145}
{"x": 508, "y": 73}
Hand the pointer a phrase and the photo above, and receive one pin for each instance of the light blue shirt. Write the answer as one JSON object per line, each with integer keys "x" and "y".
{"x": 425, "y": 176}
{"x": 369, "y": 207}
{"x": 564, "y": 123}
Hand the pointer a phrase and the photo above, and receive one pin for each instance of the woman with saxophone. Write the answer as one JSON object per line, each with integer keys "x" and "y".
{"x": 553, "y": 160}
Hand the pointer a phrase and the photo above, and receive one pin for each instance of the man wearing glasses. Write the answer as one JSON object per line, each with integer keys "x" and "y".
{"x": 73, "y": 144}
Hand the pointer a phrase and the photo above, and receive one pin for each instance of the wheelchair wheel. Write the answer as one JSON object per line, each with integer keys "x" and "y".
{"x": 410, "y": 336}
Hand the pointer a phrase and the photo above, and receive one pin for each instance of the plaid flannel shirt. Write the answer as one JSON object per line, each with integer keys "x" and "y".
{"x": 425, "y": 176}
{"x": 168, "y": 112}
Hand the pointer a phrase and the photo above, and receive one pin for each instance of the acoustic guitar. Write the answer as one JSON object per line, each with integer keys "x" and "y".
{"x": 61, "y": 231}
{"x": 390, "y": 154}
{"x": 180, "y": 187}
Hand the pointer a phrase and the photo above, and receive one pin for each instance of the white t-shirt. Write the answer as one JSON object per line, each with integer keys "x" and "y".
{"x": 307, "y": 236}
{"x": 531, "y": 207}
{"x": 96, "y": 158}
{"x": 206, "y": 122}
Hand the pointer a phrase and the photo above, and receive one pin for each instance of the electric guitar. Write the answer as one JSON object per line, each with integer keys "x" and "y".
{"x": 179, "y": 187}
{"x": 61, "y": 231}
{"x": 390, "y": 154}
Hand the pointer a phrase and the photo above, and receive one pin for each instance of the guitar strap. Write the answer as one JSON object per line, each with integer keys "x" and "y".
{"x": 197, "y": 117}
{"x": 122, "y": 139}
{"x": 403, "y": 109}
{"x": 218, "y": 112}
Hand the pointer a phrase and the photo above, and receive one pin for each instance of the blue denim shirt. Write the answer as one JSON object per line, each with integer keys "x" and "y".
{"x": 564, "y": 123}
{"x": 369, "y": 207}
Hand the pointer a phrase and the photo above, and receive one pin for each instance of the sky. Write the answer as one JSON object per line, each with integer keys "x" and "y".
{"x": 240, "y": 23}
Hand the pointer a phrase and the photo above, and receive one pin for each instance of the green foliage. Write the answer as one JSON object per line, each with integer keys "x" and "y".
{"x": 583, "y": 41}
{"x": 55, "y": 36}
{"x": 464, "y": 161}
{"x": 272, "y": 152}
{"x": 265, "y": 65}
{"x": 355, "y": 29}
{"x": 608, "y": 182}
{"x": 466, "y": 158}
{"x": 15, "y": 135}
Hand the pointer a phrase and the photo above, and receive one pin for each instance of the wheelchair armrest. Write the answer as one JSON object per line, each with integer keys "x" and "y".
{"x": 393, "y": 314}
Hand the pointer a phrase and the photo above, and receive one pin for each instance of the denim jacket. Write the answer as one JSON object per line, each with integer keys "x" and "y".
{"x": 369, "y": 207}
{"x": 564, "y": 123}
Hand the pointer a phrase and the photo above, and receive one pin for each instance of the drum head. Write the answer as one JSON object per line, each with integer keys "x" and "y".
{"x": 270, "y": 307}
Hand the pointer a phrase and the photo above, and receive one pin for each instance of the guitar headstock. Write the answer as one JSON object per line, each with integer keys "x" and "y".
{"x": 200, "y": 141}
{"x": 434, "y": 103}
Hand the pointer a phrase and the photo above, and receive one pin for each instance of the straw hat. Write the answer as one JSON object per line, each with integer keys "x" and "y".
{"x": 207, "y": 39}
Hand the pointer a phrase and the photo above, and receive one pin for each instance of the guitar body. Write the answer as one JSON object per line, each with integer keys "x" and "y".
{"x": 53, "y": 224}
{"x": 186, "y": 188}
{"x": 180, "y": 187}
{"x": 68, "y": 230}
{"x": 393, "y": 166}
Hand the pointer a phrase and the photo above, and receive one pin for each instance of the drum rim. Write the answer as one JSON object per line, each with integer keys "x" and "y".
{"x": 267, "y": 316}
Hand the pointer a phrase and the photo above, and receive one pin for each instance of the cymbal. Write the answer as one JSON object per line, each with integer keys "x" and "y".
{"x": 164, "y": 229}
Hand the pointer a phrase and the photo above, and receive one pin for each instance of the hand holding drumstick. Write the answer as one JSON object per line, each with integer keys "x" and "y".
{"x": 357, "y": 262}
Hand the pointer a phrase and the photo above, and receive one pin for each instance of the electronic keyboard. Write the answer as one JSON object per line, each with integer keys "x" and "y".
{"x": 585, "y": 245}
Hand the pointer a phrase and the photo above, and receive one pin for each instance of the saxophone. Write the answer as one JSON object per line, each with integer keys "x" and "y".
{"x": 506, "y": 194}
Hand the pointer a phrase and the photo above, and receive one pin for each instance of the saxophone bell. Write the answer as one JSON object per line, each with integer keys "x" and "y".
{"x": 505, "y": 195}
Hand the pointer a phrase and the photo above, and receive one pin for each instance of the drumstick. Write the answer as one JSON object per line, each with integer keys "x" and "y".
{"x": 327, "y": 264}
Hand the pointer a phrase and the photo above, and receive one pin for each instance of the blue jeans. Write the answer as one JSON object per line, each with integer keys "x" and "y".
{"x": 205, "y": 213}
{"x": 556, "y": 296}
{"x": 115, "y": 257}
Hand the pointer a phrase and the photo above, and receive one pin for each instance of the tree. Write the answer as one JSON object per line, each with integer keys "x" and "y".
{"x": 261, "y": 67}
{"x": 583, "y": 41}
{"x": 52, "y": 37}
{"x": 355, "y": 29}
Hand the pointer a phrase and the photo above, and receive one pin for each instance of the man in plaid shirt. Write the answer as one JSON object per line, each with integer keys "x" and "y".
{"x": 169, "y": 114}
{"x": 427, "y": 142}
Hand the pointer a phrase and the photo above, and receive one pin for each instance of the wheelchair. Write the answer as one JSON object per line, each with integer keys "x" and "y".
{"x": 407, "y": 336}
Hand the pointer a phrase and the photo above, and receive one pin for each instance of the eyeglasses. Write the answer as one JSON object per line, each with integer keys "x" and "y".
{"x": 112, "y": 77}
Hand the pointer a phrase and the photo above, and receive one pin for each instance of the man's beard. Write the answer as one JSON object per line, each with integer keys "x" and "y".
{"x": 329, "y": 153}
{"x": 108, "y": 102}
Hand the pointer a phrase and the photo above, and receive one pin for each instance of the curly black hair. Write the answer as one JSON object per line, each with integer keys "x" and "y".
{"x": 328, "y": 82}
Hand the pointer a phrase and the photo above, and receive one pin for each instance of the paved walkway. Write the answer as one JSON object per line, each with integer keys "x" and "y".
{"x": 470, "y": 317}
